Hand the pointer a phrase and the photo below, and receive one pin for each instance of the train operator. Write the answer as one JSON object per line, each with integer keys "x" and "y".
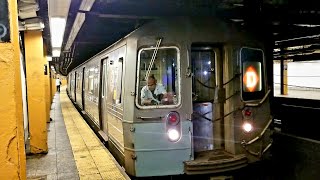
{"x": 153, "y": 93}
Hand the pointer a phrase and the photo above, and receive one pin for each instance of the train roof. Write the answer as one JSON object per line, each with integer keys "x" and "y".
{"x": 178, "y": 28}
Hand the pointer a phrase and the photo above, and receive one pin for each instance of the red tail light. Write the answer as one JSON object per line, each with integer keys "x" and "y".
{"x": 247, "y": 112}
{"x": 173, "y": 118}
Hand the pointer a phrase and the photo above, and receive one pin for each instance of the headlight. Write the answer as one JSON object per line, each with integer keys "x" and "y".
{"x": 247, "y": 127}
{"x": 173, "y": 134}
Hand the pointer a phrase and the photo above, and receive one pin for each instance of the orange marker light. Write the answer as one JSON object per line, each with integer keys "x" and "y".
{"x": 251, "y": 79}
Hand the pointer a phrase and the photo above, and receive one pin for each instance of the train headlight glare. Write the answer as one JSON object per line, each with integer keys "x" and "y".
{"x": 173, "y": 134}
{"x": 247, "y": 127}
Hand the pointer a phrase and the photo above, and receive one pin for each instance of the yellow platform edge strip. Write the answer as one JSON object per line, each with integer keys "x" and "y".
{"x": 93, "y": 160}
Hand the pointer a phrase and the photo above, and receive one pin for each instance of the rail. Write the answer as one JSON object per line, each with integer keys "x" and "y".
{"x": 261, "y": 102}
{"x": 245, "y": 144}
{"x": 146, "y": 118}
{"x": 259, "y": 136}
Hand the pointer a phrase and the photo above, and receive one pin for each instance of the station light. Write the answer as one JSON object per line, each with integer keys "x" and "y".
{"x": 49, "y": 58}
{"x": 78, "y": 22}
{"x": 86, "y": 5}
{"x": 57, "y": 27}
{"x": 56, "y": 52}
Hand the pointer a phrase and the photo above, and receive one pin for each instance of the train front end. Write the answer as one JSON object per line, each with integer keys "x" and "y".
{"x": 160, "y": 139}
{"x": 201, "y": 101}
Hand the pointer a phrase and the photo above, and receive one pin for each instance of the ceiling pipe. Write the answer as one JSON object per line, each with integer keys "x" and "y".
{"x": 299, "y": 38}
{"x": 300, "y": 50}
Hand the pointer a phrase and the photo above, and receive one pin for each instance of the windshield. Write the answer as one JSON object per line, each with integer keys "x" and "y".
{"x": 158, "y": 80}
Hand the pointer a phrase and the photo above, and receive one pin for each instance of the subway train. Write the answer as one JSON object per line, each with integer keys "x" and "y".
{"x": 178, "y": 96}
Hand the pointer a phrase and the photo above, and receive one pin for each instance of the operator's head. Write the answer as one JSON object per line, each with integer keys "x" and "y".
{"x": 151, "y": 80}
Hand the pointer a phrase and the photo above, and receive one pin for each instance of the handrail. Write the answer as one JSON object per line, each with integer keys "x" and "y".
{"x": 259, "y": 136}
{"x": 146, "y": 118}
{"x": 191, "y": 142}
{"x": 244, "y": 144}
{"x": 153, "y": 58}
{"x": 261, "y": 102}
{"x": 259, "y": 153}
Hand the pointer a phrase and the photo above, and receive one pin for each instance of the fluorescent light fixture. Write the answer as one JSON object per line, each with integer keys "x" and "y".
{"x": 86, "y": 5}
{"x": 75, "y": 29}
{"x": 307, "y": 25}
{"x": 49, "y": 58}
{"x": 56, "y": 53}
{"x": 57, "y": 27}
{"x": 276, "y": 50}
{"x": 237, "y": 20}
{"x": 238, "y": 4}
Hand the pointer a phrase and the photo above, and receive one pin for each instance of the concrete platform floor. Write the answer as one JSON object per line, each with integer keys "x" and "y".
{"x": 299, "y": 93}
{"x": 75, "y": 152}
{"x": 59, "y": 163}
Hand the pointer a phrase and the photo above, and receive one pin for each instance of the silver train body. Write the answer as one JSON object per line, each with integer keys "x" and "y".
{"x": 218, "y": 115}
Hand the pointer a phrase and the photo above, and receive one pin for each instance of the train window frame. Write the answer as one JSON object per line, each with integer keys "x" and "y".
{"x": 178, "y": 79}
{"x": 250, "y": 96}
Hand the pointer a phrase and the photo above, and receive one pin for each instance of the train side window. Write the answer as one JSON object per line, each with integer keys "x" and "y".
{"x": 90, "y": 80}
{"x": 104, "y": 72}
{"x": 72, "y": 82}
{"x": 96, "y": 81}
{"x": 78, "y": 81}
{"x": 115, "y": 79}
{"x": 86, "y": 80}
{"x": 120, "y": 76}
{"x": 158, "y": 83}
{"x": 253, "y": 80}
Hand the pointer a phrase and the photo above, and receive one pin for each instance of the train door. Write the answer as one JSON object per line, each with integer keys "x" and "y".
{"x": 103, "y": 97}
{"x": 204, "y": 83}
{"x": 83, "y": 87}
{"x": 208, "y": 117}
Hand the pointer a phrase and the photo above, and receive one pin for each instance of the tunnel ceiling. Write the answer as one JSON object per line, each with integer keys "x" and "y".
{"x": 285, "y": 23}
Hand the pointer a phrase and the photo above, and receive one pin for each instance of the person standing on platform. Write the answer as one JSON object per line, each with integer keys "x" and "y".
{"x": 58, "y": 84}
